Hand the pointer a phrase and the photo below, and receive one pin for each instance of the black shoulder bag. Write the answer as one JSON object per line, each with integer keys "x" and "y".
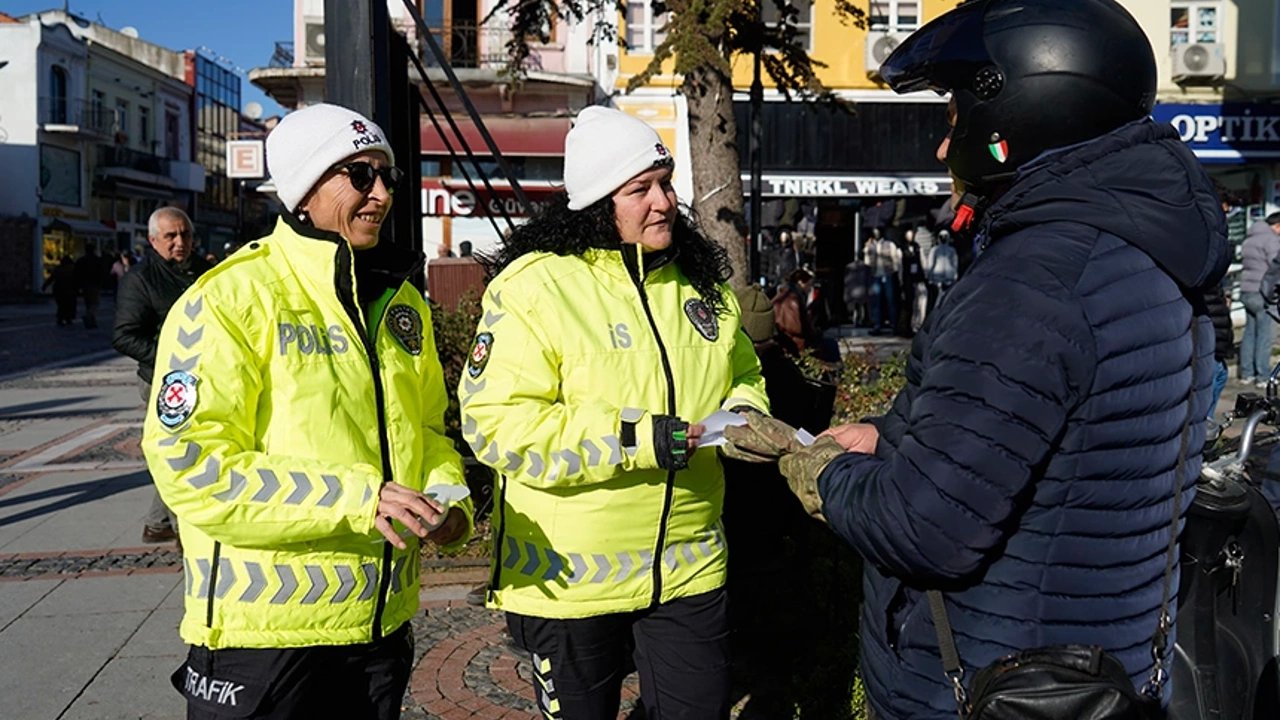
{"x": 1072, "y": 682}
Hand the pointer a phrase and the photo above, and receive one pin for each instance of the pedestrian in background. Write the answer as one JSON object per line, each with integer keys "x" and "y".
{"x": 609, "y": 331}
{"x": 298, "y": 418}
{"x": 915, "y": 290}
{"x": 1224, "y": 346}
{"x": 1023, "y": 484}
{"x": 142, "y": 303}
{"x": 65, "y": 291}
{"x": 857, "y": 292}
{"x": 1261, "y": 247}
{"x": 90, "y": 275}
{"x": 791, "y": 313}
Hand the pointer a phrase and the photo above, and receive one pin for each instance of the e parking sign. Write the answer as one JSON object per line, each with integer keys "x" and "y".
{"x": 245, "y": 159}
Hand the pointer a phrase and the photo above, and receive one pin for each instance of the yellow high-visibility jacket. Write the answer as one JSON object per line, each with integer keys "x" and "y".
{"x": 569, "y": 351}
{"x": 278, "y": 410}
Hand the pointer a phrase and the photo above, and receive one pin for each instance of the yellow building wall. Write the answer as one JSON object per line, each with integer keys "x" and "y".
{"x": 841, "y": 47}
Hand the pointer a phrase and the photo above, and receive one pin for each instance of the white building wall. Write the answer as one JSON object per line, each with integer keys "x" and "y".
{"x": 19, "y": 154}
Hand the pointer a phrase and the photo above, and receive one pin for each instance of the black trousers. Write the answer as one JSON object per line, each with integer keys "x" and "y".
{"x": 353, "y": 682}
{"x": 680, "y": 649}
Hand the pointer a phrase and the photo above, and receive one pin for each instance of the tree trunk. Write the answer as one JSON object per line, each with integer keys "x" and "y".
{"x": 717, "y": 177}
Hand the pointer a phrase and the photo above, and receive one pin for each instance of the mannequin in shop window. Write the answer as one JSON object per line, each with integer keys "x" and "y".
{"x": 885, "y": 259}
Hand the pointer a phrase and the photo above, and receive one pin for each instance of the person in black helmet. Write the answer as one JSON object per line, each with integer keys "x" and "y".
{"x": 1028, "y": 468}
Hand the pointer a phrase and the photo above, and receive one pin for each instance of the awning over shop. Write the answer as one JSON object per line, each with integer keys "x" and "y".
{"x": 82, "y": 228}
{"x": 529, "y": 136}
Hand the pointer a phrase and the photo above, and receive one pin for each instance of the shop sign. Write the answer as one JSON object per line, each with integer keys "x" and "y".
{"x": 851, "y": 185}
{"x": 445, "y": 200}
{"x": 246, "y": 159}
{"x": 1225, "y": 133}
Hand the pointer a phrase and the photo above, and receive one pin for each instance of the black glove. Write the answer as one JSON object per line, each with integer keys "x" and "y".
{"x": 671, "y": 442}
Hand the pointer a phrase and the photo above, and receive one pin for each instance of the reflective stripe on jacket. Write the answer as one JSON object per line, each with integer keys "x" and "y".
{"x": 570, "y": 349}
{"x": 266, "y": 438}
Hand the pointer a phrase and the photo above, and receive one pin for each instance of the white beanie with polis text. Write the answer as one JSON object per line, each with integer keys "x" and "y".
{"x": 603, "y": 150}
{"x": 307, "y": 142}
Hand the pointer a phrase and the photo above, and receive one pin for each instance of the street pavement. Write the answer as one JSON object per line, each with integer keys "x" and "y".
{"x": 89, "y": 614}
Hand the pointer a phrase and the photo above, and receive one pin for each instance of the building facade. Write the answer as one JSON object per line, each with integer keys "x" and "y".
{"x": 100, "y": 135}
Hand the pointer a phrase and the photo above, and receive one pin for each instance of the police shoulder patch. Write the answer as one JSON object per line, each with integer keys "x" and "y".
{"x": 177, "y": 398}
{"x": 705, "y": 321}
{"x": 479, "y": 356}
{"x": 406, "y": 326}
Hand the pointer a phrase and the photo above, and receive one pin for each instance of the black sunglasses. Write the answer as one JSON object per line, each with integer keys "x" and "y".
{"x": 362, "y": 174}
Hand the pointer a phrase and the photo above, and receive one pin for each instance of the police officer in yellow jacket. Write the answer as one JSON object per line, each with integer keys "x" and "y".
{"x": 607, "y": 334}
{"x": 297, "y": 433}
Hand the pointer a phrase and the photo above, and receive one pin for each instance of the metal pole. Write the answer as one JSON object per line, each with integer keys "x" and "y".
{"x": 753, "y": 152}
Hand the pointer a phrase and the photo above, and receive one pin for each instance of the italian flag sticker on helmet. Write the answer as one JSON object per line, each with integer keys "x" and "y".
{"x": 999, "y": 150}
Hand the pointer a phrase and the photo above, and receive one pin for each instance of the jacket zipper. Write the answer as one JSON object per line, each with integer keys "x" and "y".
{"x": 671, "y": 410}
{"x": 347, "y": 297}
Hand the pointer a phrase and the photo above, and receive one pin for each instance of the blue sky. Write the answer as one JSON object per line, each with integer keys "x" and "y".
{"x": 244, "y": 32}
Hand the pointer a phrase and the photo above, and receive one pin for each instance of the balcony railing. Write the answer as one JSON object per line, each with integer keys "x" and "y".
{"x": 83, "y": 115}
{"x": 467, "y": 45}
{"x": 282, "y": 56}
{"x": 111, "y": 156}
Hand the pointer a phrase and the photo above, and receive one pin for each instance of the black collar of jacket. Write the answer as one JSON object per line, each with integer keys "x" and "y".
{"x": 378, "y": 269}
{"x": 652, "y": 261}
{"x": 195, "y": 265}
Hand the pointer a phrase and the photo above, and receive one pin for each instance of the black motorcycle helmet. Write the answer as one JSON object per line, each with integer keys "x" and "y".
{"x": 1027, "y": 76}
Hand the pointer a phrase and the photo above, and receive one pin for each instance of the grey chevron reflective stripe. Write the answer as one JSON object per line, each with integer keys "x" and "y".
{"x": 257, "y": 582}
{"x": 208, "y": 477}
{"x": 193, "y": 307}
{"x": 473, "y": 387}
{"x": 186, "y": 572}
{"x": 319, "y": 583}
{"x": 491, "y": 457}
{"x": 497, "y": 299}
{"x": 226, "y": 578}
{"x": 397, "y": 570}
{"x": 346, "y": 583}
{"x": 188, "y": 339}
{"x": 370, "y": 571}
{"x": 288, "y": 585}
{"x": 491, "y": 318}
{"x": 535, "y": 464}
{"x": 188, "y": 459}
{"x": 547, "y": 564}
{"x": 593, "y": 453}
{"x": 238, "y": 484}
{"x": 187, "y": 365}
{"x": 514, "y": 462}
{"x": 573, "y": 463}
{"x": 302, "y": 488}
{"x": 269, "y": 486}
{"x": 615, "y": 449}
{"x": 333, "y": 491}
{"x": 202, "y": 569}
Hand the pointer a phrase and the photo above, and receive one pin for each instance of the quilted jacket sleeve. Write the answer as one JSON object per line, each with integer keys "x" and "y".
{"x": 994, "y": 395}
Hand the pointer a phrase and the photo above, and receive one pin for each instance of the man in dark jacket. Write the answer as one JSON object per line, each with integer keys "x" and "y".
{"x": 1224, "y": 345}
{"x": 142, "y": 302}
{"x": 1028, "y": 468}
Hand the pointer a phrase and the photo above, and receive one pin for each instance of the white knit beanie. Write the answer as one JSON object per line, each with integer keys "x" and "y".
{"x": 309, "y": 141}
{"x": 603, "y": 150}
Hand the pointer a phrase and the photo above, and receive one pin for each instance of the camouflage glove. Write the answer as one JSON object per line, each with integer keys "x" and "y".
{"x": 763, "y": 439}
{"x": 802, "y": 468}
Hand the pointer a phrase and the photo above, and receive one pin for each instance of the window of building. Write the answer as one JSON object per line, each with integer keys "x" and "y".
{"x": 894, "y": 15}
{"x": 1194, "y": 21}
{"x": 57, "y": 95}
{"x": 99, "y": 109}
{"x": 122, "y": 115}
{"x": 803, "y": 20}
{"x": 644, "y": 31}
{"x": 144, "y": 126}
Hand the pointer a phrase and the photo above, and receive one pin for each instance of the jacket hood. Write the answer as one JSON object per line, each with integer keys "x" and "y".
{"x": 1139, "y": 183}
{"x": 1259, "y": 229}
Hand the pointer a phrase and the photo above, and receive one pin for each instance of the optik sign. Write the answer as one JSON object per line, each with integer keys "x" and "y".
{"x": 1226, "y": 133}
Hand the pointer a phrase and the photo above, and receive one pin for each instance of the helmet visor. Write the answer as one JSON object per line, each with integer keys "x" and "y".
{"x": 940, "y": 55}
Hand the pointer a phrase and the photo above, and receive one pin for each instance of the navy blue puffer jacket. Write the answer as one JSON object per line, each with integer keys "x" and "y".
{"x": 1027, "y": 469}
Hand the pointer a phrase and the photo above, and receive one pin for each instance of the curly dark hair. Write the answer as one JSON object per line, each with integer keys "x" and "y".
{"x": 557, "y": 229}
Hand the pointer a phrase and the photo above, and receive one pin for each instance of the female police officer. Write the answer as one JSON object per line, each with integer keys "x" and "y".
{"x": 298, "y": 415}
{"x": 606, "y": 331}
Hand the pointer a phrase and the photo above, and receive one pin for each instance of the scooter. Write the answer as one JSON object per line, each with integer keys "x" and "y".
{"x": 1225, "y": 663}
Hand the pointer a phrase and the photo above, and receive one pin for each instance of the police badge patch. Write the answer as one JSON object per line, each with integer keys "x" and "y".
{"x": 406, "y": 325}
{"x": 479, "y": 356}
{"x": 702, "y": 318}
{"x": 177, "y": 398}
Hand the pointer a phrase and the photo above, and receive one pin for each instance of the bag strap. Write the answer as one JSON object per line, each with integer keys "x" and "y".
{"x": 951, "y": 664}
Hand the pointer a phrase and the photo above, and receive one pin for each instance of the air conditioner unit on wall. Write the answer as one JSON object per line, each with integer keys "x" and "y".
{"x": 313, "y": 48}
{"x": 1193, "y": 61}
{"x": 879, "y": 45}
